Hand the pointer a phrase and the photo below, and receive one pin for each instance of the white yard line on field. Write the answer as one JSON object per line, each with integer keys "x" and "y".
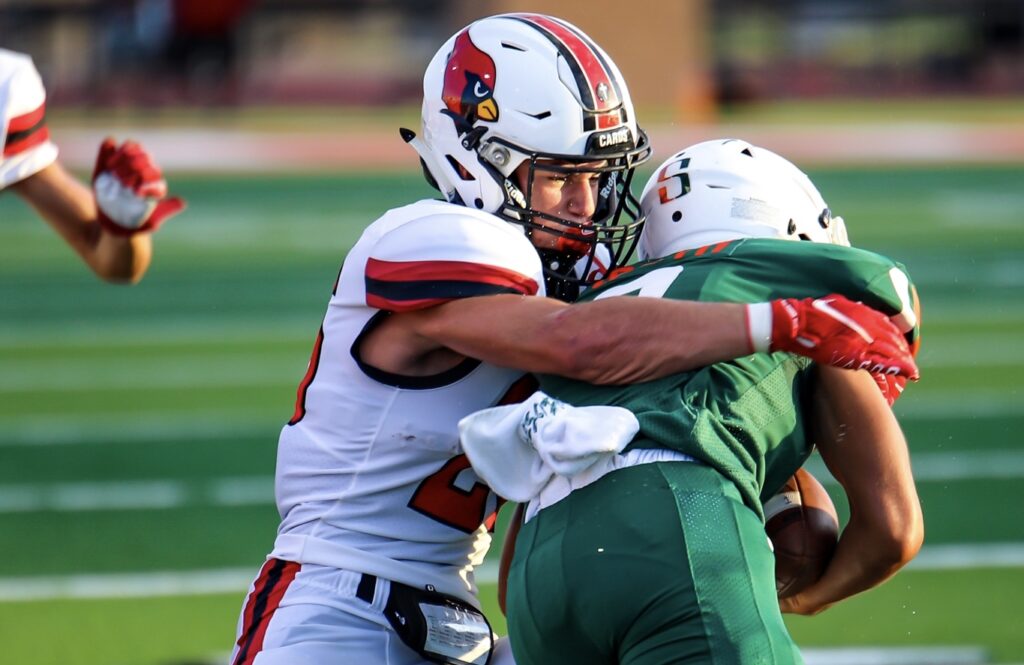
{"x": 156, "y": 332}
{"x": 960, "y": 556}
{"x": 953, "y": 465}
{"x": 954, "y": 404}
{"x": 966, "y": 313}
{"x": 946, "y": 655}
{"x": 259, "y": 490}
{"x": 157, "y": 583}
{"x": 59, "y": 376}
{"x": 181, "y": 374}
{"x": 237, "y": 580}
{"x": 127, "y": 585}
{"x": 137, "y": 428}
{"x": 135, "y": 495}
{"x": 179, "y": 426}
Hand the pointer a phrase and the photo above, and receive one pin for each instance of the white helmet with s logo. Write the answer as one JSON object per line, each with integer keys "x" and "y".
{"x": 727, "y": 189}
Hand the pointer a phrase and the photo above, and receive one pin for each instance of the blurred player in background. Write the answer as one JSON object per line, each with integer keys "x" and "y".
{"x": 659, "y": 554}
{"x": 109, "y": 225}
{"x": 529, "y": 132}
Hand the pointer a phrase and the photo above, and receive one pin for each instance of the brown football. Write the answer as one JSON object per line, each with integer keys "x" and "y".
{"x": 802, "y": 523}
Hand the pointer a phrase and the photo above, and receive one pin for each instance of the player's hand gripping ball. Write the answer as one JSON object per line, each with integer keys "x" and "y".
{"x": 803, "y": 526}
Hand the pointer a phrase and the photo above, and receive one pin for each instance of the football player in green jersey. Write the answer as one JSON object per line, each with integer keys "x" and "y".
{"x": 661, "y": 556}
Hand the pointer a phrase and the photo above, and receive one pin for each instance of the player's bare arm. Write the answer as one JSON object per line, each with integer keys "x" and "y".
{"x": 103, "y": 225}
{"x": 70, "y": 208}
{"x": 109, "y": 225}
{"x": 864, "y": 448}
{"x": 614, "y": 340}
{"x": 618, "y": 340}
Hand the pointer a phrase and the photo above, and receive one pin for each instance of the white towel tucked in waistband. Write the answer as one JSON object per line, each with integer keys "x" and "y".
{"x": 542, "y": 449}
{"x": 517, "y": 449}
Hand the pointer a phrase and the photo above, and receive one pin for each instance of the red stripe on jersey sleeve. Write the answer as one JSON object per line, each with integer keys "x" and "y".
{"x": 22, "y": 122}
{"x": 26, "y": 131}
{"x": 460, "y": 271}
{"x": 388, "y": 305}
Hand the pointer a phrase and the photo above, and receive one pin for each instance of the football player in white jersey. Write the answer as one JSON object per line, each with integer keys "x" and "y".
{"x": 109, "y": 225}
{"x": 529, "y": 132}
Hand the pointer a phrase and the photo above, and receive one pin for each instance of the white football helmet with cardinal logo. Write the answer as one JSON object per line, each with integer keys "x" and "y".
{"x": 527, "y": 87}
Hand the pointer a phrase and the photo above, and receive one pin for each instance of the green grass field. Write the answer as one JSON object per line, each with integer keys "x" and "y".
{"x": 138, "y": 425}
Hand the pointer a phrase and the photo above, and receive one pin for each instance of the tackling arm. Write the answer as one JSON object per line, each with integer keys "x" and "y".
{"x": 864, "y": 448}
{"x": 618, "y": 340}
{"x": 628, "y": 340}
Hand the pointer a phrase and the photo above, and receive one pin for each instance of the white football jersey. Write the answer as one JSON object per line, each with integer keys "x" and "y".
{"x": 27, "y": 148}
{"x": 370, "y": 473}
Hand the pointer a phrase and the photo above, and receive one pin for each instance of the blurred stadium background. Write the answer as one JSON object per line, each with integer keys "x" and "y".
{"x": 138, "y": 426}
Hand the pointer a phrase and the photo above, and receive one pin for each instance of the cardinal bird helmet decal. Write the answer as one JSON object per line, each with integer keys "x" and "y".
{"x": 513, "y": 96}
{"x": 469, "y": 82}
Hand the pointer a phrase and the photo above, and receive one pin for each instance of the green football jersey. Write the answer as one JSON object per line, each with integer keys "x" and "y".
{"x": 744, "y": 417}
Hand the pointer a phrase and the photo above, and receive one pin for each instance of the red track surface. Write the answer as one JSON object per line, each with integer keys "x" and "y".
{"x": 185, "y": 149}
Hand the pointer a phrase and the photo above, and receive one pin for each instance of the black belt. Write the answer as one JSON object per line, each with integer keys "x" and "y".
{"x": 367, "y": 585}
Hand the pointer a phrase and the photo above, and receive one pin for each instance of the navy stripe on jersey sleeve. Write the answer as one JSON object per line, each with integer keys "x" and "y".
{"x": 402, "y": 286}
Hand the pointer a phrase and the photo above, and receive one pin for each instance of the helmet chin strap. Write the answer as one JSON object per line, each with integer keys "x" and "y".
{"x": 515, "y": 196}
{"x": 559, "y": 280}
{"x": 558, "y": 262}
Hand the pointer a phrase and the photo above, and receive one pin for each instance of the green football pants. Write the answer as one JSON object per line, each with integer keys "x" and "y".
{"x": 653, "y": 564}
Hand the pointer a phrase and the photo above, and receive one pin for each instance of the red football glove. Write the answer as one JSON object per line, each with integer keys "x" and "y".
{"x": 130, "y": 190}
{"x": 890, "y": 385}
{"x": 833, "y": 330}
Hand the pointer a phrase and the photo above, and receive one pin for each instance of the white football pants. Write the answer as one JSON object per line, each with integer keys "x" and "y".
{"x": 311, "y": 615}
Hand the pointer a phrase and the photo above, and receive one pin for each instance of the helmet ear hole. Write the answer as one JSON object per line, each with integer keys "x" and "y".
{"x": 825, "y": 218}
{"x": 459, "y": 168}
